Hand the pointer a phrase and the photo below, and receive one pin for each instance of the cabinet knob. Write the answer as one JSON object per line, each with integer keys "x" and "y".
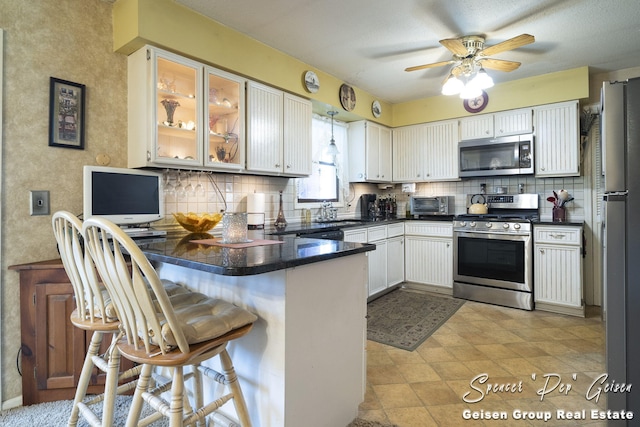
{"x": 487, "y": 132}
{"x": 278, "y": 165}
{"x": 542, "y": 168}
{"x": 542, "y": 251}
{"x": 288, "y": 166}
{"x": 418, "y": 175}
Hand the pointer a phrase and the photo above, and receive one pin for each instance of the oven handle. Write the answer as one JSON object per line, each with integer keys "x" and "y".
{"x": 491, "y": 235}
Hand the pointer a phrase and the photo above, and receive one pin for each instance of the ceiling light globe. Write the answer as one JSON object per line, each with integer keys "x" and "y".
{"x": 482, "y": 80}
{"x": 452, "y": 86}
{"x": 470, "y": 92}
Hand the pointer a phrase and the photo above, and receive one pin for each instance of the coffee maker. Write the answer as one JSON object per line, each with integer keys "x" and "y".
{"x": 368, "y": 207}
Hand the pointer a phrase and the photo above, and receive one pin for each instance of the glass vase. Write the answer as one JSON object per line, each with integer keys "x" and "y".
{"x": 234, "y": 227}
{"x": 280, "y": 220}
{"x": 559, "y": 214}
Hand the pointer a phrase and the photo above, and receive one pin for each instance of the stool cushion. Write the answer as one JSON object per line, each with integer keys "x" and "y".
{"x": 203, "y": 318}
{"x": 170, "y": 287}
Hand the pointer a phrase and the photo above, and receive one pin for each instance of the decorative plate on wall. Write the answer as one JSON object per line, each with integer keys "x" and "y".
{"x": 475, "y": 105}
{"x": 376, "y": 109}
{"x": 347, "y": 97}
{"x": 311, "y": 82}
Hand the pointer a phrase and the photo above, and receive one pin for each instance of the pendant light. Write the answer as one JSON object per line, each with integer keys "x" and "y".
{"x": 332, "y": 150}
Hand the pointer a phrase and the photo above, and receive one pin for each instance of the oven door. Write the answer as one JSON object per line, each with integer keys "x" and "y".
{"x": 496, "y": 260}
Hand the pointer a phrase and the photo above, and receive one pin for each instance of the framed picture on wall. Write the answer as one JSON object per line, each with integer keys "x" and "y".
{"x": 66, "y": 114}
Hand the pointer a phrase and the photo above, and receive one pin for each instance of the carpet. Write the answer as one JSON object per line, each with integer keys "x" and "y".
{"x": 405, "y": 319}
{"x": 56, "y": 414}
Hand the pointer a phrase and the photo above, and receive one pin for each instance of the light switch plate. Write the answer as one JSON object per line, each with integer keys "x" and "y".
{"x": 39, "y": 202}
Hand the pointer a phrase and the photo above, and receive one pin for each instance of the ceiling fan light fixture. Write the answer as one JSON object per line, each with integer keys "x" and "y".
{"x": 482, "y": 80}
{"x": 452, "y": 86}
{"x": 470, "y": 91}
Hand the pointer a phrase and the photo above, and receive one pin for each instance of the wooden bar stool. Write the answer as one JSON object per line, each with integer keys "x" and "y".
{"x": 93, "y": 313}
{"x": 166, "y": 331}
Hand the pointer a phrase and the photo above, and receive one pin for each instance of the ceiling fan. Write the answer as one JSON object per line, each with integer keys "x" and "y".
{"x": 470, "y": 49}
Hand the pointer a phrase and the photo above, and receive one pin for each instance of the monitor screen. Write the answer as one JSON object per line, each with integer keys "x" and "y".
{"x": 124, "y": 196}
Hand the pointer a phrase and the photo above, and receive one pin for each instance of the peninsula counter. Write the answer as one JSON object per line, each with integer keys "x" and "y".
{"x": 304, "y": 362}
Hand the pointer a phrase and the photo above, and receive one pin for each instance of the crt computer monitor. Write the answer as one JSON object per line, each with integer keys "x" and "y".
{"x": 124, "y": 196}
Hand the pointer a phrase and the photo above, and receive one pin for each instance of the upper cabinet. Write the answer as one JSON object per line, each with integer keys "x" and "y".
{"x": 183, "y": 114}
{"x": 426, "y": 152}
{"x": 369, "y": 152}
{"x": 504, "y": 123}
{"x": 557, "y": 138}
{"x": 278, "y": 132}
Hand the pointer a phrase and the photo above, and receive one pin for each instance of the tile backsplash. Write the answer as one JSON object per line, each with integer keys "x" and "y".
{"x": 233, "y": 190}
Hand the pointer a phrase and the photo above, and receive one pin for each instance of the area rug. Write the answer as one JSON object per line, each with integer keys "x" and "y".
{"x": 405, "y": 319}
{"x": 56, "y": 414}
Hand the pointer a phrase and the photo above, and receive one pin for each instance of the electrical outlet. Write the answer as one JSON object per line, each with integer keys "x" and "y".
{"x": 39, "y": 202}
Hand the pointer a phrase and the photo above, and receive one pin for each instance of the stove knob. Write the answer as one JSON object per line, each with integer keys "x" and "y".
{"x": 505, "y": 225}
{"x": 516, "y": 226}
{"x": 472, "y": 224}
{"x": 463, "y": 223}
{"x": 489, "y": 225}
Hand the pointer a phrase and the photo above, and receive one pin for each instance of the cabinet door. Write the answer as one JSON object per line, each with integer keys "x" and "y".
{"x": 60, "y": 347}
{"x": 476, "y": 127}
{"x": 224, "y": 139}
{"x": 558, "y": 275}
{"x": 297, "y": 136}
{"x": 513, "y": 122}
{"x": 385, "y": 154}
{"x": 378, "y": 268}
{"x": 178, "y": 107}
{"x": 395, "y": 260}
{"x": 408, "y": 153}
{"x": 441, "y": 159}
{"x": 429, "y": 260}
{"x": 557, "y": 133}
{"x": 264, "y": 129}
{"x": 372, "y": 153}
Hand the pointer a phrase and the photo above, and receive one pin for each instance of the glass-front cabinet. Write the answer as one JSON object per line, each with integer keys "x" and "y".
{"x": 178, "y": 111}
{"x": 183, "y": 114}
{"x": 224, "y": 139}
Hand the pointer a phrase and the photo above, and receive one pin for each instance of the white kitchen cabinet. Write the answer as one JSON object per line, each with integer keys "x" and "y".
{"x": 476, "y": 127}
{"x": 557, "y": 264}
{"x": 369, "y": 152}
{"x": 278, "y": 132}
{"x": 386, "y": 263}
{"x": 504, "y": 123}
{"x": 395, "y": 253}
{"x": 427, "y": 152}
{"x": 557, "y": 139}
{"x": 183, "y": 114}
{"x": 429, "y": 254}
{"x": 513, "y": 122}
{"x": 408, "y": 153}
{"x": 441, "y": 151}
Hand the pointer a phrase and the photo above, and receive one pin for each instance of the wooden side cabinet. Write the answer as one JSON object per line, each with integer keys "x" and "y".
{"x": 53, "y": 350}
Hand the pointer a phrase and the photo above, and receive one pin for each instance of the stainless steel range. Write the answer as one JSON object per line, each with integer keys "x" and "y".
{"x": 493, "y": 252}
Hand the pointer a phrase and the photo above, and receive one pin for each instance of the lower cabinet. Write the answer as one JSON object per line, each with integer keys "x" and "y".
{"x": 386, "y": 263}
{"x": 52, "y": 350}
{"x": 557, "y": 264}
{"x": 429, "y": 254}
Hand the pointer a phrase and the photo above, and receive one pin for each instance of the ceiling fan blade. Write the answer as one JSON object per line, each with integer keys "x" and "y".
{"x": 455, "y": 46}
{"x": 513, "y": 43}
{"x": 499, "y": 64}
{"x": 435, "y": 64}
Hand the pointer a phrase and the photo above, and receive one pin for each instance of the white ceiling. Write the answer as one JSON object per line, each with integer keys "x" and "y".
{"x": 369, "y": 43}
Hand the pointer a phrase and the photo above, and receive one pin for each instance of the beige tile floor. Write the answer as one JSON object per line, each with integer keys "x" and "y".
{"x": 425, "y": 387}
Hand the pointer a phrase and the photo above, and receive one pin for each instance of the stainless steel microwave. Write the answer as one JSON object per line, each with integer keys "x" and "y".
{"x": 508, "y": 155}
{"x": 436, "y": 205}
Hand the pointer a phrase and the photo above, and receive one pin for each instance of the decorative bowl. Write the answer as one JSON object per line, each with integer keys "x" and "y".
{"x": 198, "y": 223}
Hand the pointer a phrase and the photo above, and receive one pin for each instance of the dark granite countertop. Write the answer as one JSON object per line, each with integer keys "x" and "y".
{"x": 304, "y": 228}
{"x": 561, "y": 224}
{"x": 178, "y": 249}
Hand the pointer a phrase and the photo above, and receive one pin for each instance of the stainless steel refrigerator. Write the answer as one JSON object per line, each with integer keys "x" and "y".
{"x": 620, "y": 129}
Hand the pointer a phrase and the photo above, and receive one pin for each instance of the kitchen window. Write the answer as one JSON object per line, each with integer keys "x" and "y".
{"x": 326, "y": 181}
